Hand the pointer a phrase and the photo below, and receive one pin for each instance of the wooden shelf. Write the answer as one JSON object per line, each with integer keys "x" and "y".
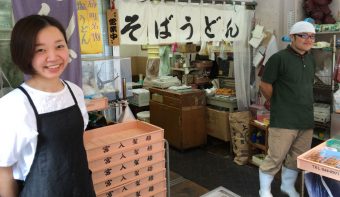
{"x": 263, "y": 147}
{"x": 257, "y": 145}
{"x": 259, "y": 126}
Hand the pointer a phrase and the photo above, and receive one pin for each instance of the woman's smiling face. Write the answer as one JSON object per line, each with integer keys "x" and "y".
{"x": 51, "y": 54}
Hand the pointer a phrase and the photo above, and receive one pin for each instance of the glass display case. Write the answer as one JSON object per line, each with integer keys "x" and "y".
{"x": 13, "y": 74}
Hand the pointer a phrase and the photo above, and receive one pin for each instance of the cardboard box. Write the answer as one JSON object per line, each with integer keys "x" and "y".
{"x": 187, "y": 48}
{"x": 319, "y": 168}
{"x": 138, "y": 65}
{"x": 217, "y": 124}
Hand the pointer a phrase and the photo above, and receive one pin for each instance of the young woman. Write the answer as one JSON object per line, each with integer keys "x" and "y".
{"x": 42, "y": 122}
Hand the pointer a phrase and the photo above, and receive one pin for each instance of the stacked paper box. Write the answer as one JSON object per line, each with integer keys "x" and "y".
{"x": 127, "y": 159}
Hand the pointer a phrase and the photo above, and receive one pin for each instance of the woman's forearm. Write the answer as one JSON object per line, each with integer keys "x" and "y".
{"x": 8, "y": 186}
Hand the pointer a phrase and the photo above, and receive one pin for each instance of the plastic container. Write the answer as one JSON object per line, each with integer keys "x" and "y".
{"x": 144, "y": 116}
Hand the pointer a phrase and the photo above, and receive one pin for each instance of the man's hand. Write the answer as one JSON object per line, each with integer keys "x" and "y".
{"x": 267, "y": 105}
{"x": 266, "y": 90}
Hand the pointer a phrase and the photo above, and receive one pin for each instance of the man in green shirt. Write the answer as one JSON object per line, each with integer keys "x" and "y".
{"x": 287, "y": 82}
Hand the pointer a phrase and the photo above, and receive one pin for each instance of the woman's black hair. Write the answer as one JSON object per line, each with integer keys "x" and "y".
{"x": 23, "y": 39}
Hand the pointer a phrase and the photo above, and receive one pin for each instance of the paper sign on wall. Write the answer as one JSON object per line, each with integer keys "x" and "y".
{"x": 89, "y": 27}
{"x": 113, "y": 27}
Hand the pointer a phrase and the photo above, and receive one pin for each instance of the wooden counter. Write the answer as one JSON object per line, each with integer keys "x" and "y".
{"x": 181, "y": 114}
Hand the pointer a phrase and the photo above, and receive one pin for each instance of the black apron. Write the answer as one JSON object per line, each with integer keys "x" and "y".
{"x": 60, "y": 167}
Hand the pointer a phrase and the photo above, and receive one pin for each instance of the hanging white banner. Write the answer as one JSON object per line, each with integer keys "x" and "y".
{"x": 165, "y": 23}
{"x": 133, "y": 18}
{"x": 162, "y": 23}
{"x": 188, "y": 23}
{"x": 233, "y": 27}
{"x": 212, "y": 20}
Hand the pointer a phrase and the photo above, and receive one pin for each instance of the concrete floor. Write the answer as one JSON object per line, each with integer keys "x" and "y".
{"x": 200, "y": 170}
{"x": 181, "y": 187}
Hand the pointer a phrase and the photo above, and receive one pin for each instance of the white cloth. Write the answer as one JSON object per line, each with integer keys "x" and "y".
{"x": 18, "y": 129}
{"x": 272, "y": 48}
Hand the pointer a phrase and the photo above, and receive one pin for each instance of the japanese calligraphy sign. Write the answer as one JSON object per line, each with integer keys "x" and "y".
{"x": 233, "y": 27}
{"x": 133, "y": 19}
{"x": 89, "y": 27}
{"x": 212, "y": 23}
{"x": 163, "y": 23}
{"x": 113, "y": 27}
{"x": 188, "y": 23}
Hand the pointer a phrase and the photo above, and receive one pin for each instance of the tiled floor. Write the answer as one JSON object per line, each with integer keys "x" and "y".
{"x": 210, "y": 167}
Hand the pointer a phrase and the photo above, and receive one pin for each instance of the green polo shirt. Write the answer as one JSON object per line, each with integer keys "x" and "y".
{"x": 292, "y": 77}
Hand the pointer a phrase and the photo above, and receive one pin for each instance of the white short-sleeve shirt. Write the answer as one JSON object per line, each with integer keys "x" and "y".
{"x": 18, "y": 126}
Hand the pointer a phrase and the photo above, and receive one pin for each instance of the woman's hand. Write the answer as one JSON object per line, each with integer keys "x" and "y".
{"x": 8, "y": 186}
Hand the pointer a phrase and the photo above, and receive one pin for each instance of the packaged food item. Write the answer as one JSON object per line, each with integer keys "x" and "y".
{"x": 334, "y": 144}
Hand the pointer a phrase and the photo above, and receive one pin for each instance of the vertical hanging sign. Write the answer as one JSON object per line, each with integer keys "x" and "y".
{"x": 113, "y": 27}
{"x": 89, "y": 27}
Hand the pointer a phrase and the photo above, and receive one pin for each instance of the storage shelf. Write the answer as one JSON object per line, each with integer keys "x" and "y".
{"x": 257, "y": 145}
{"x": 183, "y": 69}
{"x": 322, "y": 86}
{"x": 326, "y": 125}
{"x": 327, "y": 32}
{"x": 262, "y": 127}
{"x": 253, "y": 146}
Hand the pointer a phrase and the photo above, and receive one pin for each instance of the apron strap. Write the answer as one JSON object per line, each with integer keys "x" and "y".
{"x": 69, "y": 88}
{"x": 30, "y": 100}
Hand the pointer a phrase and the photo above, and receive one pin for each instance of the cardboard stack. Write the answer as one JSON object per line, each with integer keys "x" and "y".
{"x": 127, "y": 159}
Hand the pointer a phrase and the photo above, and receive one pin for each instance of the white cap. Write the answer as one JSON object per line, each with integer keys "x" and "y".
{"x": 301, "y": 27}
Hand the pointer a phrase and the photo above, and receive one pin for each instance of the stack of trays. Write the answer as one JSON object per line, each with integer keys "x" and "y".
{"x": 127, "y": 159}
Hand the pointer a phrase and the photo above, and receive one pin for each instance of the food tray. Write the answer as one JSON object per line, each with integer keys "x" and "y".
{"x": 121, "y": 168}
{"x": 149, "y": 184}
{"x": 106, "y": 141}
{"x": 96, "y": 104}
{"x": 319, "y": 168}
{"x": 123, "y": 156}
{"x": 129, "y": 177}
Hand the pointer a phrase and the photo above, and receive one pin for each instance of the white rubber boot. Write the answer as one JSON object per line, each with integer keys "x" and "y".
{"x": 288, "y": 178}
{"x": 265, "y": 182}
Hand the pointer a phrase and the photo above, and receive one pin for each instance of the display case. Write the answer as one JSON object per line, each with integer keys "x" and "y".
{"x": 103, "y": 77}
{"x": 11, "y": 72}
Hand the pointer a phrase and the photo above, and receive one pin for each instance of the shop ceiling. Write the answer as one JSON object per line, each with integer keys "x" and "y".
{"x": 249, "y": 4}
